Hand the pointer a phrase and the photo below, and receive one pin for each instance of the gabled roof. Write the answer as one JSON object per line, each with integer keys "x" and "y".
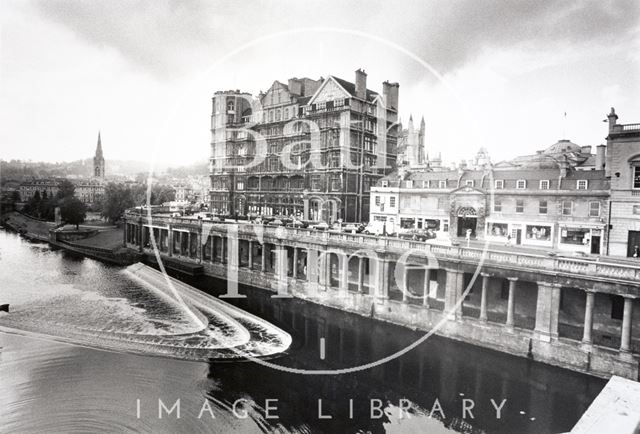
{"x": 351, "y": 88}
{"x": 348, "y": 87}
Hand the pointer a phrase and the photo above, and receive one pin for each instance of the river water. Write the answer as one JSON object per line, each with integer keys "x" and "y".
{"x": 51, "y": 381}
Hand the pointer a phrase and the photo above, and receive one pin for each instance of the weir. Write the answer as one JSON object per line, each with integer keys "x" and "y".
{"x": 152, "y": 320}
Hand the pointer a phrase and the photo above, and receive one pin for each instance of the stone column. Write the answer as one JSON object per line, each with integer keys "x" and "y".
{"x": 360, "y": 274}
{"x": 381, "y": 284}
{"x": 213, "y": 248}
{"x": 263, "y": 259}
{"x": 141, "y": 234}
{"x": 427, "y": 286}
{"x": 547, "y": 310}
{"x": 483, "y": 296}
{"x": 250, "y": 263}
{"x": 170, "y": 240}
{"x": 344, "y": 272}
{"x": 511, "y": 301}
{"x": 312, "y": 266}
{"x": 452, "y": 294}
{"x": 294, "y": 272}
{"x": 625, "y": 338}
{"x": 588, "y": 317}
{"x": 124, "y": 234}
{"x": 199, "y": 246}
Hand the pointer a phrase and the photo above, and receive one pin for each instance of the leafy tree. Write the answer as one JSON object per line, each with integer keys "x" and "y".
{"x": 15, "y": 196}
{"x": 33, "y": 205}
{"x": 66, "y": 189}
{"x": 117, "y": 198}
{"x": 73, "y": 211}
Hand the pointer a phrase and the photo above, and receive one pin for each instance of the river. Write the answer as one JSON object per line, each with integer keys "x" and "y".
{"x": 50, "y": 384}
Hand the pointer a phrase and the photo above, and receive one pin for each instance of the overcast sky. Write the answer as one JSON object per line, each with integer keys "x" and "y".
{"x": 501, "y": 73}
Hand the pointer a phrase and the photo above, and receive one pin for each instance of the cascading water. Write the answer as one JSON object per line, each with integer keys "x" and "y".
{"x": 131, "y": 310}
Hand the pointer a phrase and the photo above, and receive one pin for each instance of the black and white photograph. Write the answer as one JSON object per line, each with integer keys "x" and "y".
{"x": 320, "y": 216}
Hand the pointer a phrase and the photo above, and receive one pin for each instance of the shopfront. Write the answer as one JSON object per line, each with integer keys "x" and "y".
{"x": 521, "y": 233}
{"x": 580, "y": 238}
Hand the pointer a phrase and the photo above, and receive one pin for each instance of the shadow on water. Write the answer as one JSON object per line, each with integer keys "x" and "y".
{"x": 539, "y": 397}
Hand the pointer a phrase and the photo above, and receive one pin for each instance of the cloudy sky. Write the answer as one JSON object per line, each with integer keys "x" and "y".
{"x": 493, "y": 73}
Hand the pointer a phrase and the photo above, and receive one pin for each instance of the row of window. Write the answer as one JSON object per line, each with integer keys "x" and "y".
{"x": 566, "y": 207}
{"x": 521, "y": 184}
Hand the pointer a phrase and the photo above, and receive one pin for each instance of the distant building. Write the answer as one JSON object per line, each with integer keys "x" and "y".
{"x": 28, "y": 188}
{"x": 354, "y": 124}
{"x": 98, "y": 161}
{"x": 89, "y": 191}
{"x": 411, "y": 146}
{"x": 623, "y": 168}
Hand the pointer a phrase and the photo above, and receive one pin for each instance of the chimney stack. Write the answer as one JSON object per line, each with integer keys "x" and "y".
{"x": 361, "y": 84}
{"x": 600, "y": 157}
{"x": 390, "y": 95}
{"x": 295, "y": 86}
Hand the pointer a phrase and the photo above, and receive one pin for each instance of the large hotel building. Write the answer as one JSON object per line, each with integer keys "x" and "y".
{"x": 331, "y": 123}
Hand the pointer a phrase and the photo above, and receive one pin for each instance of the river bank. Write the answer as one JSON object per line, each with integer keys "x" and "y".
{"x": 98, "y": 241}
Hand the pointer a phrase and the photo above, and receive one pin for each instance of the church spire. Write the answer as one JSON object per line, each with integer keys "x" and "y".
{"x": 98, "y": 160}
{"x": 99, "y": 147}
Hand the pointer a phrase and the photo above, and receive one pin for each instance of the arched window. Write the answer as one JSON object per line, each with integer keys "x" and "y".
{"x": 231, "y": 106}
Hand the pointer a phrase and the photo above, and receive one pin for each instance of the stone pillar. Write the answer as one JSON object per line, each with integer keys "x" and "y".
{"x": 483, "y": 296}
{"x": 213, "y": 248}
{"x": 360, "y": 274}
{"x": 547, "y": 310}
{"x": 263, "y": 259}
{"x": 511, "y": 301}
{"x": 170, "y": 240}
{"x": 452, "y": 294}
{"x": 344, "y": 272}
{"x": 294, "y": 272}
{"x": 588, "y": 317}
{"x": 199, "y": 246}
{"x": 124, "y": 233}
{"x": 312, "y": 266}
{"x": 427, "y": 287}
{"x": 140, "y": 235}
{"x": 625, "y": 338}
{"x": 250, "y": 260}
{"x": 382, "y": 279}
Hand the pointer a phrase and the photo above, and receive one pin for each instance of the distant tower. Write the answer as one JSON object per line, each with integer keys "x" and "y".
{"x": 98, "y": 161}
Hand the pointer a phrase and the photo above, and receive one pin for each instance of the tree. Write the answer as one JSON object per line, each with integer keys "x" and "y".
{"x": 66, "y": 189}
{"x": 117, "y": 198}
{"x": 73, "y": 211}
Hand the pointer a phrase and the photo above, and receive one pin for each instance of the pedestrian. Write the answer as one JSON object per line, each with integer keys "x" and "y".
{"x": 636, "y": 251}
{"x": 508, "y": 240}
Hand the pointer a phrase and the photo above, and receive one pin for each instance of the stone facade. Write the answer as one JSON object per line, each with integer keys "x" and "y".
{"x": 296, "y": 150}
{"x": 623, "y": 168}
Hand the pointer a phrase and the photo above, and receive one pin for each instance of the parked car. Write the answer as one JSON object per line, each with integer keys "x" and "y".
{"x": 322, "y": 226}
{"x": 417, "y": 235}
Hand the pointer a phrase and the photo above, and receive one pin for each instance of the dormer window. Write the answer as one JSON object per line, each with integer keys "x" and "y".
{"x": 498, "y": 184}
{"x": 384, "y": 183}
{"x": 582, "y": 184}
{"x": 521, "y": 184}
{"x": 409, "y": 184}
{"x": 442, "y": 184}
{"x": 469, "y": 183}
{"x": 544, "y": 184}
